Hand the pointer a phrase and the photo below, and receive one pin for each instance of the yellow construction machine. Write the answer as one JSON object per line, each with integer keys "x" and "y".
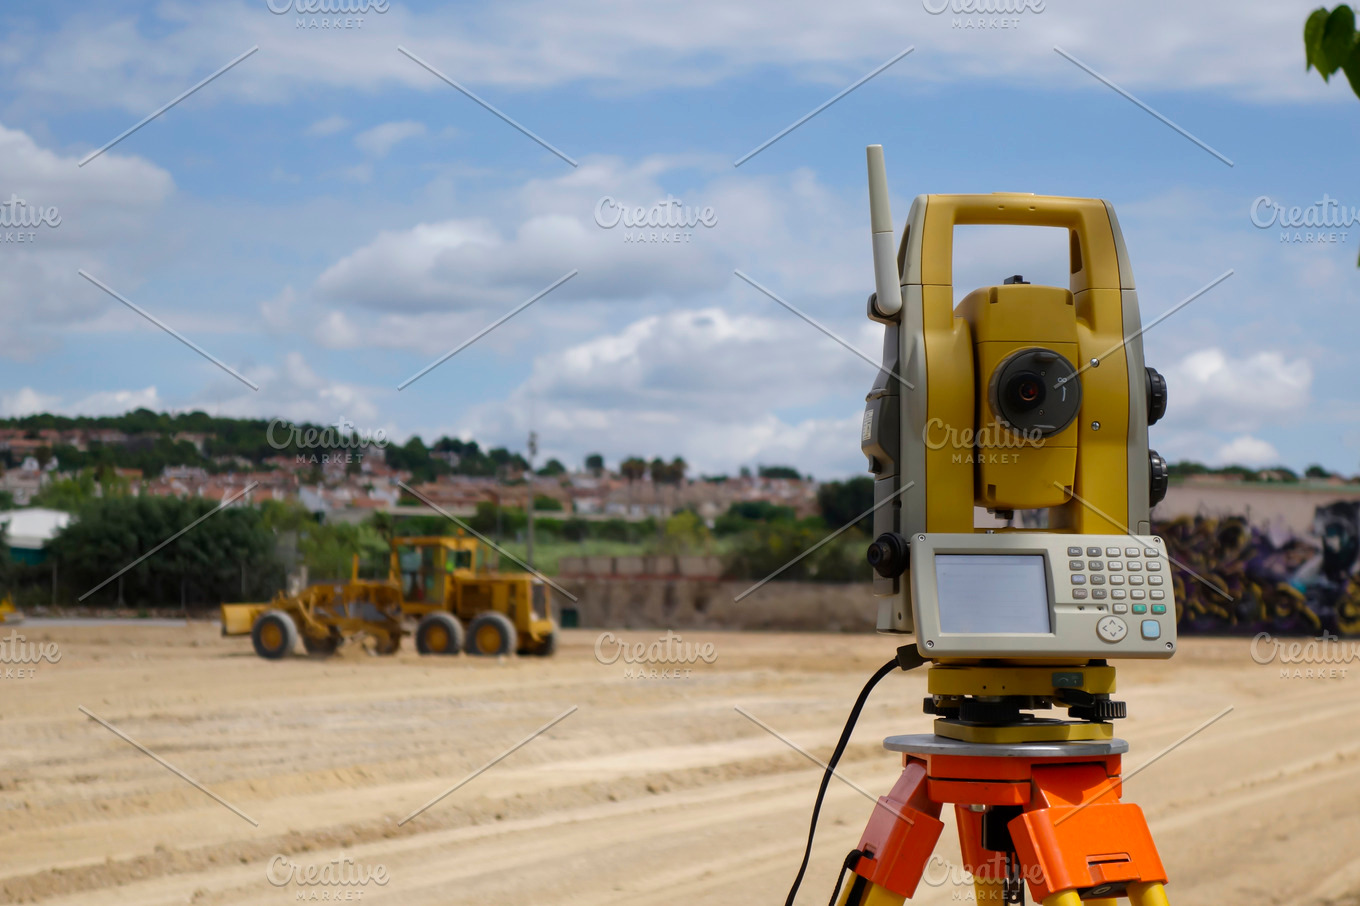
{"x": 442, "y": 584}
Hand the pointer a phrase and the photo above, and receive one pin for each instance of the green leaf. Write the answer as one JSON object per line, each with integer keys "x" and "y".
{"x": 1312, "y": 36}
{"x": 1352, "y": 69}
{"x": 1338, "y": 40}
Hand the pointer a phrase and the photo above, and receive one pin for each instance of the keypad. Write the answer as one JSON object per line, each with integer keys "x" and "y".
{"x": 1137, "y": 594}
{"x": 1135, "y": 566}
{"x": 1118, "y": 594}
{"x": 1114, "y": 565}
{"x": 1130, "y": 551}
{"x": 1135, "y": 580}
{"x": 1097, "y": 579}
{"x": 1098, "y": 594}
{"x": 1154, "y": 580}
{"x": 1076, "y": 564}
{"x": 1079, "y": 579}
{"x": 1075, "y": 551}
{"x": 1121, "y": 608}
{"x": 1093, "y": 552}
{"x": 1150, "y": 552}
{"x": 1116, "y": 580}
{"x": 1096, "y": 564}
{"x": 1155, "y": 566}
{"x": 1140, "y": 608}
{"x": 1159, "y": 608}
{"x": 1157, "y": 594}
{"x": 1079, "y": 594}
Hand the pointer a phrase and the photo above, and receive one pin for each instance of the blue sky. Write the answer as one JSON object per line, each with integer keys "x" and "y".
{"x": 328, "y": 217}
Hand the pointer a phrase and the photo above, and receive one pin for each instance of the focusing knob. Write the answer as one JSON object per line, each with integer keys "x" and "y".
{"x": 1156, "y": 396}
{"x": 1159, "y": 477}
{"x": 888, "y": 555}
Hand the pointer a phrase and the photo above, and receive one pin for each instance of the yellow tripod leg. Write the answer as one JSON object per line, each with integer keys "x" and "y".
{"x": 1102, "y": 902}
{"x": 1063, "y": 898}
{"x": 1148, "y": 894}
{"x": 988, "y": 891}
{"x": 873, "y": 895}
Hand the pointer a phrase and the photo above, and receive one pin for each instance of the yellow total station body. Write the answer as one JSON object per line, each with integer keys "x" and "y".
{"x": 1020, "y": 398}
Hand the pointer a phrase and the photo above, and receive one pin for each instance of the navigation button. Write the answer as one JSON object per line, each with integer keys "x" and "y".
{"x": 1112, "y": 629}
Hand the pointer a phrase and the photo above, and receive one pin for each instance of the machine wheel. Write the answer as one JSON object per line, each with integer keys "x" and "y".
{"x": 492, "y": 633}
{"x": 439, "y": 633}
{"x": 324, "y": 646}
{"x": 274, "y": 635}
{"x": 548, "y": 646}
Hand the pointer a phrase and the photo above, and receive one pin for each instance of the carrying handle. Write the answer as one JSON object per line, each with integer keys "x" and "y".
{"x": 1097, "y": 258}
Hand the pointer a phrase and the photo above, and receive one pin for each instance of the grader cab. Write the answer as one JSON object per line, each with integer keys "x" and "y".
{"x": 442, "y": 584}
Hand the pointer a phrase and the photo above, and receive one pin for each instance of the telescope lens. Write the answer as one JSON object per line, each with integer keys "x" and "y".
{"x": 1035, "y": 391}
{"x": 1026, "y": 391}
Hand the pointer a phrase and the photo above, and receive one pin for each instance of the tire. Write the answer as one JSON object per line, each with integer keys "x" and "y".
{"x": 492, "y": 633}
{"x": 440, "y": 633}
{"x": 274, "y": 635}
{"x": 323, "y": 647}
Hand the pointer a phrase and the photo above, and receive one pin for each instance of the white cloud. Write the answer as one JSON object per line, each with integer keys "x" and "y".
{"x": 328, "y": 126}
{"x": 116, "y": 402}
{"x": 25, "y": 401}
{"x": 719, "y": 389}
{"x": 1250, "y": 50}
{"x": 380, "y": 140}
{"x": 1211, "y": 389}
{"x": 1246, "y": 450}
{"x": 104, "y": 209}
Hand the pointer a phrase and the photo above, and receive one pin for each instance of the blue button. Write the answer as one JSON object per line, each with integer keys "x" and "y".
{"x": 1152, "y": 629}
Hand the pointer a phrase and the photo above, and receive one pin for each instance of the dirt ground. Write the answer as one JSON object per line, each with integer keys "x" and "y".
{"x": 654, "y": 790}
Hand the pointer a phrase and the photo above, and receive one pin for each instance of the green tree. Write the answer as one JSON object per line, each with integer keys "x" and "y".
{"x": 552, "y": 468}
{"x": 227, "y": 556}
{"x": 595, "y": 464}
{"x": 779, "y": 472}
{"x": 1316, "y": 472}
{"x": 843, "y": 501}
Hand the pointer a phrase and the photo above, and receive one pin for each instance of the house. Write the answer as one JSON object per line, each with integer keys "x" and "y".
{"x": 29, "y": 531}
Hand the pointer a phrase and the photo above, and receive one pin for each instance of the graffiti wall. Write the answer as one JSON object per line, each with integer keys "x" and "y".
{"x": 1237, "y": 577}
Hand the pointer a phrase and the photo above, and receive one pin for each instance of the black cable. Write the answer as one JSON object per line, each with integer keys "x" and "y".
{"x": 907, "y": 659}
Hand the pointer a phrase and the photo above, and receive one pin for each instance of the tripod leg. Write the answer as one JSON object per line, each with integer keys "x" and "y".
{"x": 1151, "y": 894}
{"x": 1064, "y": 898}
{"x": 867, "y": 894}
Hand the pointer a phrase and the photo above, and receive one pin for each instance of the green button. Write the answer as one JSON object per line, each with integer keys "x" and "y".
{"x": 1159, "y": 608}
{"x": 1140, "y": 608}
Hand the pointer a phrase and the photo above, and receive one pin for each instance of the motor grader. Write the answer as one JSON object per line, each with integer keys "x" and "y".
{"x": 442, "y": 584}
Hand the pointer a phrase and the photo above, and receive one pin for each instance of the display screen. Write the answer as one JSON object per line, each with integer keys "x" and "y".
{"x": 984, "y": 594}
